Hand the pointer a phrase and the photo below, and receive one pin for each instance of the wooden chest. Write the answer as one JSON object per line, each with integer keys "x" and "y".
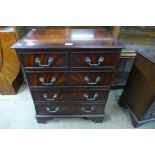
{"x": 69, "y": 71}
{"x": 139, "y": 93}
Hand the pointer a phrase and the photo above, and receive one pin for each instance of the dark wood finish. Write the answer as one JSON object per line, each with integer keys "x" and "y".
{"x": 110, "y": 59}
{"x": 59, "y": 60}
{"x": 68, "y": 38}
{"x": 72, "y": 86}
{"x": 97, "y": 118}
{"x": 11, "y": 76}
{"x": 72, "y": 109}
{"x": 139, "y": 93}
{"x": 67, "y": 95}
{"x": 70, "y": 78}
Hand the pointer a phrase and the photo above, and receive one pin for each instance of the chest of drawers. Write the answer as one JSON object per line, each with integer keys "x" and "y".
{"x": 69, "y": 71}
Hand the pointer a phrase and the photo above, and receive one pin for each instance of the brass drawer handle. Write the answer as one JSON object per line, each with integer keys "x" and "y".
{"x": 88, "y": 61}
{"x": 92, "y": 83}
{"x": 50, "y": 99}
{"x": 50, "y": 61}
{"x": 90, "y": 99}
{"x": 52, "y": 111}
{"x": 47, "y": 84}
{"x": 86, "y": 110}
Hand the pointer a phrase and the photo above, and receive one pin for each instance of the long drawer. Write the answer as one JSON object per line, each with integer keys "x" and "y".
{"x": 67, "y": 95}
{"x": 72, "y": 109}
{"x": 45, "y": 79}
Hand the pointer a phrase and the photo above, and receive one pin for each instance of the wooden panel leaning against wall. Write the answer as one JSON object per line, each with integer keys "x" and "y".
{"x": 11, "y": 76}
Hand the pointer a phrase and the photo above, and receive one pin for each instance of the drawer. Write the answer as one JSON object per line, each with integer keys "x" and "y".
{"x": 45, "y": 60}
{"x": 46, "y": 79}
{"x": 69, "y": 95}
{"x": 72, "y": 109}
{"x": 93, "y": 60}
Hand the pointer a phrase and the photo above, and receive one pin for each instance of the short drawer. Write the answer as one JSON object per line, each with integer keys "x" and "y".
{"x": 61, "y": 109}
{"x": 66, "y": 95}
{"x": 44, "y": 60}
{"x": 46, "y": 79}
{"x": 94, "y": 60}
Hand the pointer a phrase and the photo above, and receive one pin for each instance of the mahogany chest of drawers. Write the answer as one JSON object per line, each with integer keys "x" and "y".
{"x": 69, "y": 71}
{"x": 139, "y": 93}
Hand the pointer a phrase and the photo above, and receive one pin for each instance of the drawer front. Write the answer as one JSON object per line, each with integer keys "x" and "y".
{"x": 46, "y": 60}
{"x": 69, "y": 109}
{"x": 65, "y": 95}
{"x": 69, "y": 78}
{"x": 93, "y": 60}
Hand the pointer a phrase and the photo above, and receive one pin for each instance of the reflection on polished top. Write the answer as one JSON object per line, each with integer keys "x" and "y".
{"x": 148, "y": 54}
{"x": 68, "y": 37}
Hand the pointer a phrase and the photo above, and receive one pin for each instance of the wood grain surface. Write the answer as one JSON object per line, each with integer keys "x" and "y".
{"x": 9, "y": 63}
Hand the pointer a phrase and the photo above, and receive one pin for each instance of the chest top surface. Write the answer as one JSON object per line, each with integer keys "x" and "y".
{"x": 68, "y": 38}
